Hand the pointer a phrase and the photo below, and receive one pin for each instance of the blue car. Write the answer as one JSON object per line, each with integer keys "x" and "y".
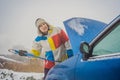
{"x": 97, "y": 60}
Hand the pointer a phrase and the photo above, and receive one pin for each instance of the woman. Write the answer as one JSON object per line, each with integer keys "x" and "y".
{"x": 51, "y": 43}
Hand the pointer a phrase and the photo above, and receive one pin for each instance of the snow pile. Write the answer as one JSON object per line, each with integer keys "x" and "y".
{"x": 11, "y": 75}
{"x": 75, "y": 25}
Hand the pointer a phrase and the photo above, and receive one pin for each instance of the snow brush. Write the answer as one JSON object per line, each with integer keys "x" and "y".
{"x": 28, "y": 54}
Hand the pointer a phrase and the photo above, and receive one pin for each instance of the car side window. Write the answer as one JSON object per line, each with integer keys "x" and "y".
{"x": 110, "y": 44}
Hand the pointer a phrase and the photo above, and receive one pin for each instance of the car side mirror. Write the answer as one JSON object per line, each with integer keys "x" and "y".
{"x": 85, "y": 50}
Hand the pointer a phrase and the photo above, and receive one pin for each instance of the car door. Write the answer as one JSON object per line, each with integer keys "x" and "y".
{"x": 104, "y": 64}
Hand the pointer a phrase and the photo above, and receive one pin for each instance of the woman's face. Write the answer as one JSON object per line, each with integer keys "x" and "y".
{"x": 43, "y": 28}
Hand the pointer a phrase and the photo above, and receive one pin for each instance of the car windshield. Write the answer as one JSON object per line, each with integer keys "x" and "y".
{"x": 110, "y": 44}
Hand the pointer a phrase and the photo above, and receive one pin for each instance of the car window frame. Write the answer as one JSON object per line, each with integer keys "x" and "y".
{"x": 101, "y": 36}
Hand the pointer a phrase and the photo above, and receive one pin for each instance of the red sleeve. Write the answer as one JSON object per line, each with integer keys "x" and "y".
{"x": 64, "y": 37}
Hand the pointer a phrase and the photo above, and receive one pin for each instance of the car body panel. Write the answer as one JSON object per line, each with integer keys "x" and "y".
{"x": 64, "y": 70}
{"x": 98, "y": 69}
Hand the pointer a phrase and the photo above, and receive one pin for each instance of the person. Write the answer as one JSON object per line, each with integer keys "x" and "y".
{"x": 52, "y": 43}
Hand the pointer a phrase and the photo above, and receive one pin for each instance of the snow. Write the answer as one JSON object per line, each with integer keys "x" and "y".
{"x": 6, "y": 74}
{"x": 1, "y": 65}
{"x": 2, "y": 57}
{"x": 75, "y": 25}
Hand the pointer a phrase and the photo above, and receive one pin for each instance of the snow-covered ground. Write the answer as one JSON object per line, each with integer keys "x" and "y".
{"x": 9, "y": 59}
{"x": 6, "y": 74}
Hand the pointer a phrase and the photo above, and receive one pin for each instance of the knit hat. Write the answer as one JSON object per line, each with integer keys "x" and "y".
{"x": 39, "y": 21}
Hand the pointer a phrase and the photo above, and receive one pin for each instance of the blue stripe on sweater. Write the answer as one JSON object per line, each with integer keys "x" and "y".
{"x": 49, "y": 55}
{"x": 38, "y": 38}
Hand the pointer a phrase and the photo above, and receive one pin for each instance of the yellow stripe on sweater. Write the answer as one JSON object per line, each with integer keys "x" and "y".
{"x": 52, "y": 46}
{"x": 64, "y": 57}
{"x": 35, "y": 52}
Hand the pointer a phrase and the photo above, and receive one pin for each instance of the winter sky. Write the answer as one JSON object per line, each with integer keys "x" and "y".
{"x": 17, "y": 17}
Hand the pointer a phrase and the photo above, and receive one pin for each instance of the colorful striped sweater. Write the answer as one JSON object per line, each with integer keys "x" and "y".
{"x": 54, "y": 47}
